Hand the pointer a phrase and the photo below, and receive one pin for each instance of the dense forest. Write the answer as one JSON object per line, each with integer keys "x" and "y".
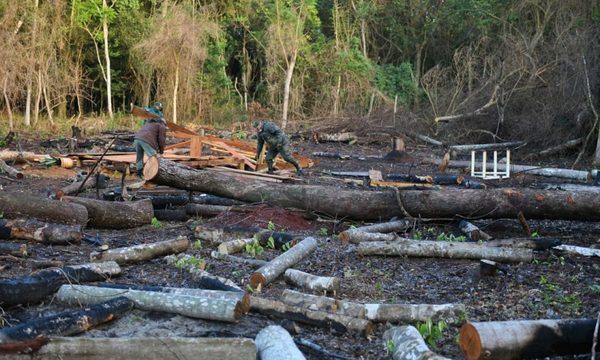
{"x": 469, "y": 70}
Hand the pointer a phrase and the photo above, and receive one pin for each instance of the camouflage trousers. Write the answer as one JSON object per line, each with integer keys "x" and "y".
{"x": 284, "y": 150}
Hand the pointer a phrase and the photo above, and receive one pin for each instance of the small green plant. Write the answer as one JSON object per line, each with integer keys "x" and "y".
{"x": 535, "y": 234}
{"x": 197, "y": 244}
{"x": 271, "y": 226}
{"x": 271, "y": 242}
{"x": 323, "y": 231}
{"x": 450, "y": 237}
{"x": 240, "y": 135}
{"x": 390, "y": 346}
{"x": 595, "y": 289}
{"x": 156, "y": 223}
{"x": 190, "y": 262}
{"x": 1, "y": 215}
{"x": 286, "y": 246}
{"x": 418, "y": 235}
{"x": 432, "y": 333}
{"x": 379, "y": 287}
{"x": 254, "y": 248}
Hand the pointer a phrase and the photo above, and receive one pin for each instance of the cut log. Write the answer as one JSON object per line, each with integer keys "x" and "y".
{"x": 115, "y": 214}
{"x": 543, "y": 243}
{"x": 11, "y": 171}
{"x": 274, "y": 342}
{"x": 312, "y": 282}
{"x": 277, "y": 266}
{"x": 74, "y": 187}
{"x": 578, "y": 250}
{"x": 358, "y": 237}
{"x": 559, "y": 148}
{"x": 21, "y": 156}
{"x": 35, "y": 230}
{"x": 204, "y": 278}
{"x": 208, "y": 308}
{"x": 215, "y": 200}
{"x": 473, "y": 232}
{"x": 452, "y": 250}
{"x": 408, "y": 344}
{"x": 219, "y": 235}
{"x": 34, "y": 288}
{"x": 236, "y": 259}
{"x": 171, "y": 214}
{"x": 20, "y": 205}
{"x": 354, "y": 235}
{"x": 147, "y": 348}
{"x": 526, "y": 339}
{"x": 487, "y": 268}
{"x": 448, "y": 179}
{"x": 142, "y": 252}
{"x": 234, "y": 246}
{"x": 69, "y": 322}
{"x": 14, "y": 249}
{"x": 451, "y": 313}
{"x": 349, "y": 137}
{"x": 337, "y": 323}
{"x": 280, "y": 239}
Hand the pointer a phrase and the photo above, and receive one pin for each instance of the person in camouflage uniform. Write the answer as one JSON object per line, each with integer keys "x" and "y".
{"x": 268, "y": 132}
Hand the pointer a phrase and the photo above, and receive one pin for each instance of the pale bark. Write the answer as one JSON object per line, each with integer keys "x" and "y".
{"x": 355, "y": 235}
{"x": 21, "y": 156}
{"x": 312, "y": 282}
{"x": 108, "y": 77}
{"x": 277, "y": 266}
{"x": 11, "y": 171}
{"x": 323, "y": 303}
{"x": 451, "y": 250}
{"x": 236, "y": 259}
{"x": 115, "y": 214}
{"x": 219, "y": 235}
{"x": 274, "y": 342}
{"x": 409, "y": 344}
{"x": 219, "y": 309}
{"x": 142, "y": 252}
{"x": 579, "y": 250}
{"x": 234, "y": 246}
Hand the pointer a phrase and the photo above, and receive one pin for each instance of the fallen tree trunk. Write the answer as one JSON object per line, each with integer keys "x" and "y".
{"x": 14, "y": 249}
{"x": 451, "y": 313}
{"x": 452, "y": 250}
{"x": 46, "y": 233}
{"x": 19, "y": 205}
{"x": 74, "y": 188}
{"x": 409, "y": 344}
{"x": 115, "y": 214}
{"x": 234, "y": 246}
{"x": 538, "y": 244}
{"x": 11, "y": 171}
{"x": 274, "y": 342}
{"x": 377, "y": 205}
{"x": 147, "y": 348}
{"x": 219, "y": 309}
{"x": 20, "y": 156}
{"x": 312, "y": 282}
{"x": 167, "y": 201}
{"x": 277, "y": 266}
{"x": 489, "y": 147}
{"x": 354, "y": 235}
{"x": 337, "y": 323}
{"x": 526, "y": 339}
{"x": 34, "y": 288}
{"x": 142, "y": 252}
{"x": 68, "y": 322}
{"x": 204, "y": 278}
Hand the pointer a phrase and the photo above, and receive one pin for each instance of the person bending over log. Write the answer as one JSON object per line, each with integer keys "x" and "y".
{"x": 151, "y": 138}
{"x": 268, "y": 132}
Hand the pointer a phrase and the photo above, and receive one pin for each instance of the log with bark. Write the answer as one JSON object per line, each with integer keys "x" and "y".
{"x": 21, "y": 156}
{"x": 227, "y": 309}
{"x": 277, "y": 266}
{"x": 205, "y": 279}
{"x": 115, "y": 214}
{"x": 13, "y": 249}
{"x": 339, "y": 324}
{"x": 526, "y": 339}
{"x": 212, "y": 210}
{"x": 473, "y": 232}
{"x": 408, "y": 344}
{"x": 312, "y": 282}
{"x": 147, "y": 348}
{"x": 36, "y": 230}
{"x": 217, "y": 235}
{"x": 34, "y": 288}
{"x": 280, "y": 239}
{"x": 451, "y": 250}
{"x": 355, "y": 235}
{"x": 11, "y": 171}
{"x": 142, "y": 252}
{"x": 67, "y": 323}
{"x": 274, "y": 342}
{"x": 348, "y": 137}
{"x": 377, "y": 205}
{"x": 451, "y": 313}
{"x": 539, "y": 244}
{"x": 256, "y": 263}
{"x": 20, "y": 205}
{"x": 76, "y": 186}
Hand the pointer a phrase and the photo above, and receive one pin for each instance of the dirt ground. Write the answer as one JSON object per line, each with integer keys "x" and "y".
{"x": 554, "y": 285}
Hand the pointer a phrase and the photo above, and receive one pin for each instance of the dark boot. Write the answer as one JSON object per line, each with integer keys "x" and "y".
{"x": 140, "y": 173}
{"x": 270, "y": 170}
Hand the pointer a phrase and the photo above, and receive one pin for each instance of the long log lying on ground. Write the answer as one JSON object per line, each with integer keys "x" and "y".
{"x": 147, "y": 348}
{"x": 14, "y": 249}
{"x": 408, "y": 344}
{"x": 337, "y": 323}
{"x": 526, "y": 339}
{"x": 377, "y": 205}
{"x": 204, "y": 278}
{"x": 236, "y": 259}
{"x": 274, "y": 342}
{"x": 543, "y": 243}
{"x": 11, "y": 171}
{"x": 353, "y": 235}
{"x": 20, "y": 156}
{"x": 115, "y": 214}
{"x": 312, "y": 282}
{"x": 74, "y": 187}
{"x": 277, "y": 266}
{"x": 452, "y": 313}
{"x": 34, "y": 288}
{"x": 451, "y": 250}
{"x": 19, "y": 205}
{"x": 235, "y": 246}
{"x": 578, "y": 250}
{"x": 219, "y": 309}
{"x": 36, "y": 230}
{"x": 142, "y": 252}
{"x": 68, "y": 322}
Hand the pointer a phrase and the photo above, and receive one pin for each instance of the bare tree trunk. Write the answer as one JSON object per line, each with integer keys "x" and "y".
{"x": 289, "y": 72}
{"x": 274, "y": 342}
{"x": 175, "y": 89}
{"x": 8, "y": 107}
{"x": 107, "y": 60}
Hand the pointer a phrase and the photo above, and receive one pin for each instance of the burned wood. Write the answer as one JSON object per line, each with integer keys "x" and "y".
{"x": 492, "y": 146}
{"x": 142, "y": 252}
{"x": 312, "y": 282}
{"x": 166, "y": 201}
{"x": 45, "y": 233}
{"x": 337, "y": 323}
{"x": 526, "y": 339}
{"x": 489, "y": 268}
{"x": 97, "y": 181}
{"x": 355, "y": 235}
{"x": 204, "y": 278}
{"x": 171, "y": 214}
{"x": 236, "y": 259}
{"x": 34, "y": 288}
{"x": 208, "y": 199}
{"x": 274, "y": 342}
{"x": 228, "y": 309}
{"x": 411, "y": 178}
{"x": 280, "y": 239}
{"x": 409, "y": 344}
{"x": 277, "y": 266}
{"x": 319, "y": 350}
{"x": 472, "y": 232}
{"x": 69, "y": 322}
{"x": 452, "y": 250}
{"x": 115, "y": 215}
{"x": 14, "y": 249}
{"x": 448, "y": 179}
{"x": 19, "y": 205}
{"x": 11, "y": 171}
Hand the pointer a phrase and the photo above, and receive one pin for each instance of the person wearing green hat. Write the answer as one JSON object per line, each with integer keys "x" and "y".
{"x": 268, "y": 132}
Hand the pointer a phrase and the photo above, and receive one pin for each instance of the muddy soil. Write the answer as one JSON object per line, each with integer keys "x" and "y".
{"x": 554, "y": 285}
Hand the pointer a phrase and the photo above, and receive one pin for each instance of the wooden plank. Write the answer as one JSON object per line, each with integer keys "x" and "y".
{"x": 196, "y": 147}
{"x": 178, "y": 145}
{"x": 400, "y": 184}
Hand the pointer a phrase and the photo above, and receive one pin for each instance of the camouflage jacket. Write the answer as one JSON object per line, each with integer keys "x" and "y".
{"x": 272, "y": 135}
